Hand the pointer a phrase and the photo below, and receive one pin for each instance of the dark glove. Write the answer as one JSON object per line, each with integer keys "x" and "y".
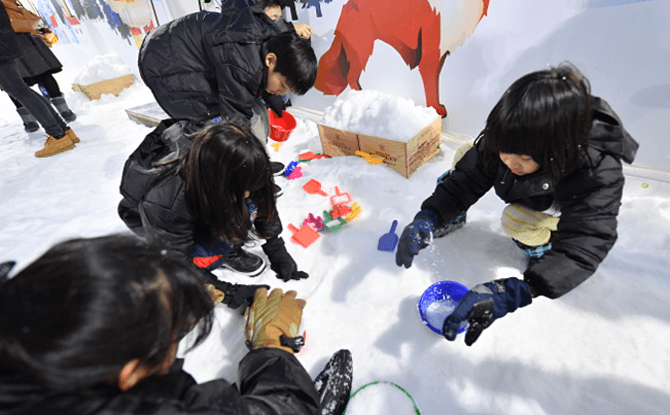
{"x": 281, "y": 262}
{"x": 275, "y": 102}
{"x": 483, "y": 304}
{"x": 416, "y": 236}
{"x": 235, "y": 295}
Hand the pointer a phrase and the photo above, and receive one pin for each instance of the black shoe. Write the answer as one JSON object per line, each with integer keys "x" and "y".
{"x": 333, "y": 384}
{"x": 450, "y": 227}
{"x": 277, "y": 168}
{"x": 244, "y": 262}
{"x": 278, "y": 191}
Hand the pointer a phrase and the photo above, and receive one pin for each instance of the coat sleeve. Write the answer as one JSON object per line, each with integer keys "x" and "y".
{"x": 464, "y": 186}
{"x": 589, "y": 203}
{"x": 273, "y": 382}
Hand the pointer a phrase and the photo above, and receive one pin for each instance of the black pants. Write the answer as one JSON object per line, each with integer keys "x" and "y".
{"x": 45, "y": 80}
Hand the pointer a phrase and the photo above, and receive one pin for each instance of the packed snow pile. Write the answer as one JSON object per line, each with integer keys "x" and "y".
{"x": 380, "y": 115}
{"x": 102, "y": 68}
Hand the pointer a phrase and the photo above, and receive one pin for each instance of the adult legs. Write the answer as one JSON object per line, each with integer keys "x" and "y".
{"x": 12, "y": 83}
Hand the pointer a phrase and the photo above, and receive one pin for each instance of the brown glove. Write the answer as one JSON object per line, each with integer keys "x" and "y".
{"x": 216, "y": 295}
{"x": 273, "y": 320}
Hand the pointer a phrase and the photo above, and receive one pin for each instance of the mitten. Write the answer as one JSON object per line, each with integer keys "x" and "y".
{"x": 273, "y": 321}
{"x": 485, "y": 303}
{"x": 238, "y": 295}
{"x": 281, "y": 261}
{"x": 416, "y": 236}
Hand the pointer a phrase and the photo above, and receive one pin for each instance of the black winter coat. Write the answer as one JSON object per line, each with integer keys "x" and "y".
{"x": 154, "y": 194}
{"x": 588, "y": 200}
{"x": 207, "y": 64}
{"x": 9, "y": 48}
{"x": 36, "y": 58}
{"x": 270, "y": 381}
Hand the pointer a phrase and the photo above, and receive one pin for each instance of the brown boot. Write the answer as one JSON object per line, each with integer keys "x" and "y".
{"x": 72, "y": 135}
{"x": 54, "y": 146}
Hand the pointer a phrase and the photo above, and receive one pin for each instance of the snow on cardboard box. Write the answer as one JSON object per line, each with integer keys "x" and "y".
{"x": 106, "y": 74}
{"x": 381, "y": 124}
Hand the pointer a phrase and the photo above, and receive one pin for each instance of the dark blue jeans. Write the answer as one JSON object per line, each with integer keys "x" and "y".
{"x": 12, "y": 83}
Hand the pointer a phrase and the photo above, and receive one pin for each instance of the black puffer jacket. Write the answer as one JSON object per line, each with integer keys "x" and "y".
{"x": 154, "y": 195}
{"x": 206, "y": 64}
{"x": 270, "y": 381}
{"x": 588, "y": 199}
{"x": 9, "y": 48}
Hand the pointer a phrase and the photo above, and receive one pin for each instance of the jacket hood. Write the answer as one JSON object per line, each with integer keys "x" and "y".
{"x": 608, "y": 134}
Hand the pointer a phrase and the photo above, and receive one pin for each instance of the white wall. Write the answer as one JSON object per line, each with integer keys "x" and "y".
{"x": 621, "y": 46}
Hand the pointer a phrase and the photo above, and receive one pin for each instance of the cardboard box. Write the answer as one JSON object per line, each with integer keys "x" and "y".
{"x": 109, "y": 86}
{"x": 402, "y": 157}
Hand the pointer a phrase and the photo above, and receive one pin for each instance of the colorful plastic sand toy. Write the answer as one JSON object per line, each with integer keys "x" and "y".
{"x": 339, "y": 211}
{"x": 295, "y": 174}
{"x": 355, "y": 211}
{"x": 340, "y": 198}
{"x": 331, "y": 224}
{"x": 388, "y": 241}
{"x": 304, "y": 236}
{"x": 315, "y": 222}
{"x": 276, "y": 146}
{"x": 370, "y": 158}
{"x": 289, "y": 169}
{"x": 313, "y": 187}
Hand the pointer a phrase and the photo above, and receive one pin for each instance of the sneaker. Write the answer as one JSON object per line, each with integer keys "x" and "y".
{"x": 454, "y": 225}
{"x": 333, "y": 384}
{"x": 277, "y": 168}
{"x": 72, "y": 135}
{"x": 278, "y": 191}
{"x": 244, "y": 262}
{"x": 54, "y": 146}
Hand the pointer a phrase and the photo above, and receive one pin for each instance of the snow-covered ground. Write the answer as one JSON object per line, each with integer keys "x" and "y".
{"x": 600, "y": 349}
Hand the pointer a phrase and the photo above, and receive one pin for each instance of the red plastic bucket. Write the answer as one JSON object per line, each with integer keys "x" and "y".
{"x": 281, "y": 127}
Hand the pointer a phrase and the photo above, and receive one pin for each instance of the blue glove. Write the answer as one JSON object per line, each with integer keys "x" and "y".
{"x": 483, "y": 304}
{"x": 416, "y": 236}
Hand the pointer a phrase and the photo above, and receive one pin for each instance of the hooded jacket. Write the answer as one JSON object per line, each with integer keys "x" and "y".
{"x": 270, "y": 381}
{"x": 207, "y": 64}
{"x": 154, "y": 193}
{"x": 588, "y": 200}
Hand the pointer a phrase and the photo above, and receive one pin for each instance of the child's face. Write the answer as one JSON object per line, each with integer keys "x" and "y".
{"x": 519, "y": 164}
{"x": 277, "y": 83}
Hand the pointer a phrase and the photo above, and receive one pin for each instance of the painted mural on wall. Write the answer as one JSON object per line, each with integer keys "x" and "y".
{"x": 423, "y": 32}
{"x": 130, "y": 19}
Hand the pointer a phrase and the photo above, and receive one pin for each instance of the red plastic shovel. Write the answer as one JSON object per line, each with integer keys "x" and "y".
{"x": 314, "y": 188}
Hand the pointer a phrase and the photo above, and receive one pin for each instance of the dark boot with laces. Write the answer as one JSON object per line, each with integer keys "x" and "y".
{"x": 333, "y": 384}
{"x": 244, "y": 262}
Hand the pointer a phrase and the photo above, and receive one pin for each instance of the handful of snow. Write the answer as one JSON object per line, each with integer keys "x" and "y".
{"x": 377, "y": 114}
{"x": 102, "y": 68}
{"x": 381, "y": 398}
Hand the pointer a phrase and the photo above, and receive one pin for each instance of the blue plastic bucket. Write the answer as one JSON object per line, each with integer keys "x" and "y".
{"x": 385, "y": 397}
{"x": 438, "y": 301}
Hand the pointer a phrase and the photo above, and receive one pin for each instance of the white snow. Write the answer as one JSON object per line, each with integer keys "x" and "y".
{"x": 378, "y": 114}
{"x": 102, "y": 68}
{"x": 600, "y": 349}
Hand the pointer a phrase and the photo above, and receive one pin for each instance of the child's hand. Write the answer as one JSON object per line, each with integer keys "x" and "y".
{"x": 303, "y": 30}
{"x": 416, "y": 236}
{"x": 273, "y": 320}
{"x": 485, "y": 303}
{"x": 281, "y": 261}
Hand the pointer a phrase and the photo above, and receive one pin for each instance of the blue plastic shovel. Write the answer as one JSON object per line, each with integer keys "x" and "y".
{"x": 388, "y": 241}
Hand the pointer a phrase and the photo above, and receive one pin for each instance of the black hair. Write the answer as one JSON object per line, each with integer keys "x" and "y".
{"x": 225, "y": 161}
{"x": 75, "y": 316}
{"x": 545, "y": 115}
{"x": 295, "y": 60}
{"x": 263, "y": 4}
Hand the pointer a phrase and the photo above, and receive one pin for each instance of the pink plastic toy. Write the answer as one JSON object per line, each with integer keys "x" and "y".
{"x": 315, "y": 222}
{"x": 339, "y": 211}
{"x": 295, "y": 174}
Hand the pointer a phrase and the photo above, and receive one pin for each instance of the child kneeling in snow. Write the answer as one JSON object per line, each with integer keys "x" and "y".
{"x": 204, "y": 192}
{"x": 93, "y": 327}
{"x": 207, "y": 65}
{"x": 552, "y": 152}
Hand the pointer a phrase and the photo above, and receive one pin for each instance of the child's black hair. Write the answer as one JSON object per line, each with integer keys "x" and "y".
{"x": 263, "y": 4}
{"x": 295, "y": 60}
{"x": 225, "y": 161}
{"x": 545, "y": 115}
{"x": 75, "y": 316}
